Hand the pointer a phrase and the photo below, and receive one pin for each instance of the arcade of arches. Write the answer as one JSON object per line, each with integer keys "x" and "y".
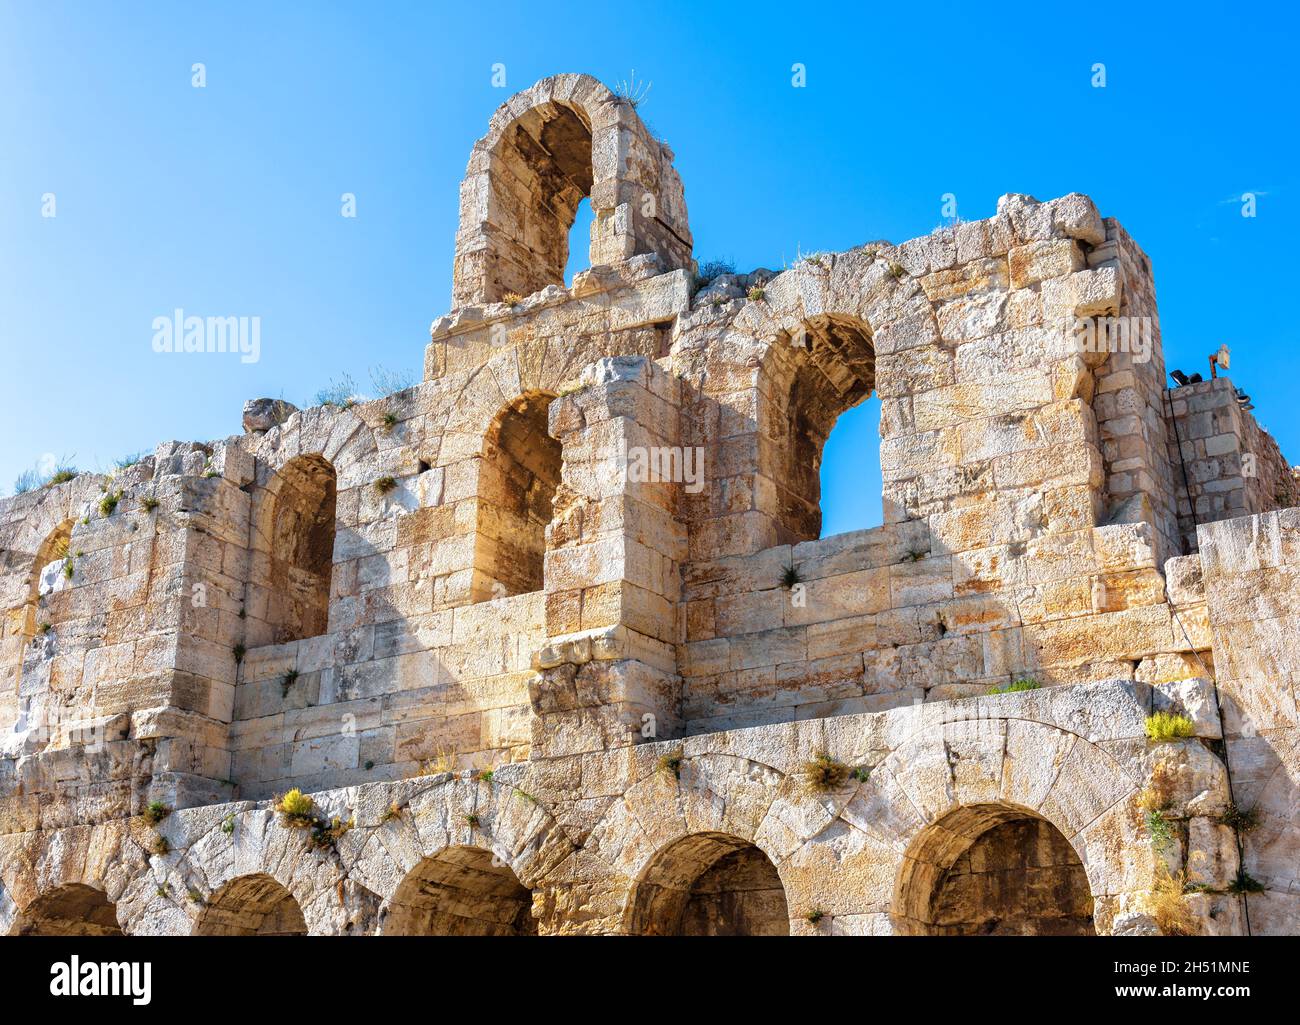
{"x": 981, "y": 870}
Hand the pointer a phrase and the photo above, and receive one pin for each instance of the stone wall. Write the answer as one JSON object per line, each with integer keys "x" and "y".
{"x": 902, "y": 613}
{"x": 1248, "y": 584}
{"x": 1226, "y": 464}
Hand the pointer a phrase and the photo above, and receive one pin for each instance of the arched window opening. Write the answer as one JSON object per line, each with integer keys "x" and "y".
{"x": 253, "y": 905}
{"x": 300, "y": 560}
{"x": 44, "y": 607}
{"x": 73, "y": 909}
{"x": 834, "y": 373}
{"x": 579, "y": 258}
{"x": 541, "y": 171}
{"x": 710, "y": 884}
{"x": 518, "y": 476}
{"x": 48, "y": 575}
{"x": 50, "y": 558}
{"x": 850, "y": 471}
{"x": 462, "y": 891}
{"x": 993, "y": 870}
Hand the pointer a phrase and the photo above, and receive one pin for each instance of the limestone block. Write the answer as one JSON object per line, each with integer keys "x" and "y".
{"x": 978, "y": 316}
{"x": 1134, "y": 923}
{"x": 1029, "y": 218}
{"x": 1221, "y": 914}
{"x": 1211, "y": 854}
{"x": 1189, "y": 778}
{"x": 918, "y": 582}
{"x": 1129, "y": 633}
{"x": 980, "y": 275}
{"x": 1194, "y": 698}
{"x": 1085, "y": 293}
{"x": 1076, "y": 216}
{"x": 234, "y": 463}
{"x": 1032, "y": 263}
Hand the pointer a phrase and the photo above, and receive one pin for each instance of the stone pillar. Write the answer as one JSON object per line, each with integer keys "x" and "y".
{"x": 608, "y": 671}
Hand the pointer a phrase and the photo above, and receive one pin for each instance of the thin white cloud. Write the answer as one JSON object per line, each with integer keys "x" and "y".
{"x": 1241, "y": 198}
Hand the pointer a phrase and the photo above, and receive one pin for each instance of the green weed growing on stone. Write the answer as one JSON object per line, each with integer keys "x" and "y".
{"x": 1166, "y": 726}
{"x": 1018, "y": 685}
{"x": 155, "y": 812}
{"x": 822, "y": 773}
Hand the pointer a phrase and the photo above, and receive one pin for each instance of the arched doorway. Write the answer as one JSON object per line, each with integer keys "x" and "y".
{"x": 48, "y": 576}
{"x": 518, "y": 475}
{"x": 461, "y": 891}
{"x": 253, "y": 905}
{"x": 993, "y": 870}
{"x": 73, "y": 909}
{"x": 710, "y": 884}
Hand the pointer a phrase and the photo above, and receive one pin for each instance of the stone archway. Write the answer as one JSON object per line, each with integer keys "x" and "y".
{"x": 993, "y": 869}
{"x": 460, "y": 891}
{"x": 541, "y": 170}
{"x": 561, "y": 140}
{"x": 710, "y": 884}
{"x": 253, "y": 905}
{"x": 73, "y": 909}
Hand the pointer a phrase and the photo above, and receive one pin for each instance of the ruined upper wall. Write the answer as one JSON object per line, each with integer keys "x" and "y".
{"x": 354, "y": 552}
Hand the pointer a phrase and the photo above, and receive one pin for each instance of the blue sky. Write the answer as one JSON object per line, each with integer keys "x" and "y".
{"x": 225, "y": 200}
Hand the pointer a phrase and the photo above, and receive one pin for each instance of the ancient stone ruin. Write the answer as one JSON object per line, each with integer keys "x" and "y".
{"x": 551, "y": 643}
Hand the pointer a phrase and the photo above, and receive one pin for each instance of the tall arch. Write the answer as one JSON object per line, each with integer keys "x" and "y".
{"x": 565, "y": 138}
{"x": 72, "y": 909}
{"x": 294, "y": 551}
{"x": 710, "y": 884}
{"x": 518, "y": 476}
{"x": 253, "y": 905}
{"x": 541, "y": 169}
{"x": 460, "y": 891}
{"x": 993, "y": 869}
